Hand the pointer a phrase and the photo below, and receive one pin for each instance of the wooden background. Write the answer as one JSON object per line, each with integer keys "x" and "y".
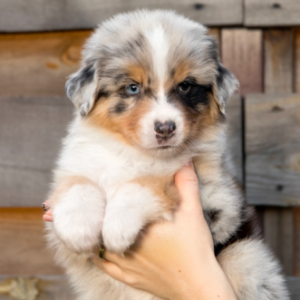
{"x": 40, "y": 44}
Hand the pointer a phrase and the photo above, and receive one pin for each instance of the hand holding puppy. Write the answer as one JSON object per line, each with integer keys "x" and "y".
{"x": 173, "y": 260}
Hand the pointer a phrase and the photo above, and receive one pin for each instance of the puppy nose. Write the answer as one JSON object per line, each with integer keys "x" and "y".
{"x": 165, "y": 129}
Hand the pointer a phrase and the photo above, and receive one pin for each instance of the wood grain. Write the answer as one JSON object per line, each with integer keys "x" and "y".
{"x": 38, "y": 64}
{"x": 31, "y": 129}
{"x": 278, "y": 61}
{"x": 297, "y": 241}
{"x": 49, "y": 287}
{"x": 297, "y": 60}
{"x": 278, "y": 78}
{"x": 42, "y": 15}
{"x": 293, "y": 284}
{"x": 23, "y": 247}
{"x": 273, "y": 149}
{"x": 272, "y": 13}
{"x": 242, "y": 55}
{"x": 279, "y": 235}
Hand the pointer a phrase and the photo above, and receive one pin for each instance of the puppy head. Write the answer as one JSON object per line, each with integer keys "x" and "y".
{"x": 153, "y": 79}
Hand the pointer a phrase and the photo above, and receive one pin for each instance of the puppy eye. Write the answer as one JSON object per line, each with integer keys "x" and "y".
{"x": 184, "y": 87}
{"x": 132, "y": 89}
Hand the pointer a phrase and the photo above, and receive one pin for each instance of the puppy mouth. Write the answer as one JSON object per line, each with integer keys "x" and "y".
{"x": 165, "y": 147}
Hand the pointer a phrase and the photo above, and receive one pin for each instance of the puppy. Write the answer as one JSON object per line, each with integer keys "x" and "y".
{"x": 150, "y": 95}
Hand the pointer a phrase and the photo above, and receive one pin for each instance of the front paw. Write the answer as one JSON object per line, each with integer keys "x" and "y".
{"x": 78, "y": 218}
{"x": 120, "y": 232}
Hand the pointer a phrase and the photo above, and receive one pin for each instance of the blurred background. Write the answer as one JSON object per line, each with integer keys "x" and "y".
{"x": 40, "y": 45}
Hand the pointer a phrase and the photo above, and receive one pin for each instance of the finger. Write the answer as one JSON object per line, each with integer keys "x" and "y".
{"x": 112, "y": 257}
{"x": 187, "y": 183}
{"x": 48, "y": 216}
{"x": 108, "y": 267}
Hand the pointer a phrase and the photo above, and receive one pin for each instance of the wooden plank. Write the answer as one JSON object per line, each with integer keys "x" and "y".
{"x": 293, "y": 284}
{"x": 271, "y": 229}
{"x": 297, "y": 59}
{"x": 297, "y": 241}
{"x": 23, "y": 246}
{"x": 286, "y": 233}
{"x": 278, "y": 73}
{"x": 279, "y": 235}
{"x": 272, "y": 149}
{"x": 41, "y": 15}
{"x": 234, "y": 137}
{"x": 38, "y": 64}
{"x": 278, "y": 61}
{"x": 242, "y": 55}
{"x": 31, "y": 130}
{"x": 37, "y": 287}
{"x": 272, "y": 13}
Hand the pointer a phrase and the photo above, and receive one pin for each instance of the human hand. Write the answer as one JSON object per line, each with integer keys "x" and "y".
{"x": 174, "y": 260}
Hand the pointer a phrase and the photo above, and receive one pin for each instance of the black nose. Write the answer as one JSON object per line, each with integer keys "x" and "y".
{"x": 165, "y": 130}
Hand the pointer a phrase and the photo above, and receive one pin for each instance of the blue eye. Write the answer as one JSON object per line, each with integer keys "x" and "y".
{"x": 132, "y": 89}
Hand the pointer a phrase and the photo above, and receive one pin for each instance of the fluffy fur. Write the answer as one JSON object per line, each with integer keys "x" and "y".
{"x": 150, "y": 95}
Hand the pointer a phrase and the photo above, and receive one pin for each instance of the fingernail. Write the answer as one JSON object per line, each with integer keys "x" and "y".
{"x": 45, "y": 207}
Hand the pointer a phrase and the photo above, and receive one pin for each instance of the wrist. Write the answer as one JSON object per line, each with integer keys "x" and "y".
{"x": 215, "y": 284}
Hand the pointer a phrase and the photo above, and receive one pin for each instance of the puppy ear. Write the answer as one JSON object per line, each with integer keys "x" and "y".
{"x": 227, "y": 84}
{"x": 80, "y": 88}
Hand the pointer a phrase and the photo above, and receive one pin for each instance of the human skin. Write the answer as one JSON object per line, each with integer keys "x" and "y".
{"x": 173, "y": 260}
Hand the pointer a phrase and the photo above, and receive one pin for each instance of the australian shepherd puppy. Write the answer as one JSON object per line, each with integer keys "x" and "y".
{"x": 150, "y": 96}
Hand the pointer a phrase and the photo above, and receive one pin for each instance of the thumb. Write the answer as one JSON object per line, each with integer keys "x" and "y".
{"x": 187, "y": 184}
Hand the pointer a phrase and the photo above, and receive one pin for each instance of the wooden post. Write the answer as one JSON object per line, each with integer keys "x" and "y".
{"x": 278, "y": 78}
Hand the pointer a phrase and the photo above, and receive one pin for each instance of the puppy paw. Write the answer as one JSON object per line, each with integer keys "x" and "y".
{"x": 78, "y": 218}
{"x": 119, "y": 233}
{"x": 132, "y": 207}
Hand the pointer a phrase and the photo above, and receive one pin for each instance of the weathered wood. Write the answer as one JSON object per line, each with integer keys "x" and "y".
{"x": 279, "y": 235}
{"x": 234, "y": 140}
{"x": 293, "y": 284}
{"x": 286, "y": 234}
{"x": 31, "y": 130}
{"x": 46, "y": 287}
{"x": 278, "y": 78}
{"x": 242, "y": 55}
{"x": 271, "y": 229}
{"x": 297, "y": 59}
{"x": 18, "y": 16}
{"x": 278, "y": 61}
{"x": 38, "y": 64}
{"x": 23, "y": 246}
{"x": 272, "y": 13}
{"x": 297, "y": 241}
{"x": 272, "y": 149}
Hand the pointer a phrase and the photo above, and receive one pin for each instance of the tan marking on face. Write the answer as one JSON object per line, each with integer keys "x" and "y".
{"x": 162, "y": 187}
{"x": 124, "y": 126}
{"x": 138, "y": 74}
{"x": 181, "y": 73}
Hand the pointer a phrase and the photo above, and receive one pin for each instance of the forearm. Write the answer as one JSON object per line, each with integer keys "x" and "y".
{"x": 213, "y": 286}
